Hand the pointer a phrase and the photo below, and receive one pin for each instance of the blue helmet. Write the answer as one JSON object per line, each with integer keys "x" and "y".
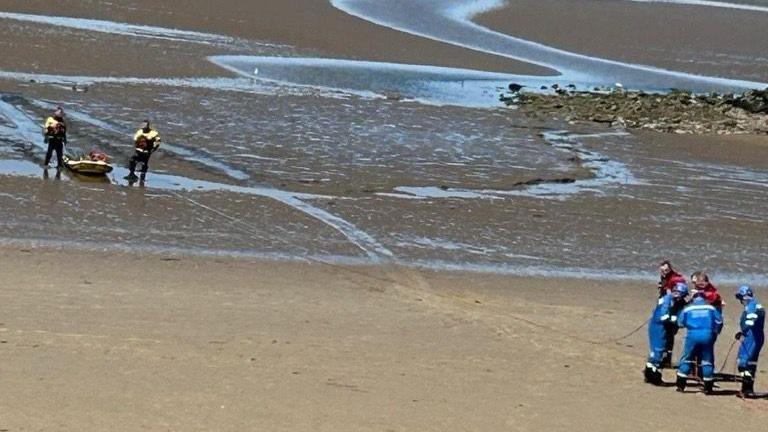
{"x": 681, "y": 288}
{"x": 744, "y": 291}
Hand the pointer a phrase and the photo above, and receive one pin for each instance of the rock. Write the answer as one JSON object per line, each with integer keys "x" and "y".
{"x": 674, "y": 112}
{"x": 603, "y": 118}
{"x": 514, "y": 88}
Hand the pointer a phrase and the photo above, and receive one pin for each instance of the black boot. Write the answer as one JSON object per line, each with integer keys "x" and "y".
{"x": 747, "y": 387}
{"x": 652, "y": 375}
{"x": 709, "y": 386}
{"x": 666, "y": 363}
{"x": 657, "y": 378}
{"x": 648, "y": 374}
{"x": 681, "y": 381}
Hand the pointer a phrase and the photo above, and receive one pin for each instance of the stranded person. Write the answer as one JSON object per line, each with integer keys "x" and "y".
{"x": 663, "y": 315}
{"x": 703, "y": 322}
{"x": 55, "y": 135}
{"x": 668, "y": 278}
{"x": 700, "y": 281}
{"x": 146, "y": 141}
{"x": 752, "y": 336}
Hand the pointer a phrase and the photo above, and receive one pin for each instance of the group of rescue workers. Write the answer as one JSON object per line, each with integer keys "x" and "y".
{"x": 702, "y": 317}
{"x": 146, "y": 141}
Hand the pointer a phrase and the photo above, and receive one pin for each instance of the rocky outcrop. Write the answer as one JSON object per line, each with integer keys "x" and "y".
{"x": 674, "y": 112}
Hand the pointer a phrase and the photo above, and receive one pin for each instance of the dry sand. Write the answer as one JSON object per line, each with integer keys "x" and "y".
{"x": 95, "y": 342}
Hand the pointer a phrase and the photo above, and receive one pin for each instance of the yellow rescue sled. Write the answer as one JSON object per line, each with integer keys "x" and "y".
{"x": 93, "y": 164}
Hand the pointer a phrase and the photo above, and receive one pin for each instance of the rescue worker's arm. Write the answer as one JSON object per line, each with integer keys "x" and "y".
{"x": 752, "y": 314}
{"x": 666, "y": 310}
{"x": 156, "y": 142}
{"x": 718, "y": 321}
{"x": 48, "y": 127}
{"x": 136, "y": 136}
{"x": 682, "y": 318}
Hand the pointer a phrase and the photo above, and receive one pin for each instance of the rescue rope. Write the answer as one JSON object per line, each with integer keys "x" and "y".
{"x": 253, "y": 230}
{"x": 725, "y": 361}
{"x": 620, "y": 338}
{"x": 250, "y": 229}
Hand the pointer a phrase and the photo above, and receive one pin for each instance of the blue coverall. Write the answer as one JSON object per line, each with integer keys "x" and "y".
{"x": 703, "y": 322}
{"x": 753, "y": 333}
{"x": 657, "y": 331}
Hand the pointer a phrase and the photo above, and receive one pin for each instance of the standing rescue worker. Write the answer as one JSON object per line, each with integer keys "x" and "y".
{"x": 668, "y": 278}
{"x": 662, "y": 316}
{"x": 55, "y": 135}
{"x": 752, "y": 336}
{"x": 146, "y": 141}
{"x": 703, "y": 322}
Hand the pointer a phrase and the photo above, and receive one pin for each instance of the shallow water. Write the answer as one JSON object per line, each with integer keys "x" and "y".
{"x": 450, "y": 21}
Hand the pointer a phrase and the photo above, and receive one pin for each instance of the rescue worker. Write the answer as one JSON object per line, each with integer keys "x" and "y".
{"x": 668, "y": 278}
{"x": 55, "y": 135}
{"x": 703, "y": 322}
{"x": 657, "y": 331}
{"x": 146, "y": 141}
{"x": 752, "y": 336}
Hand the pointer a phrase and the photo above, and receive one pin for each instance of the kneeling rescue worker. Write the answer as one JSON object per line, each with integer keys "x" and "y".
{"x": 703, "y": 322}
{"x": 146, "y": 141}
{"x": 752, "y": 336}
{"x": 664, "y": 314}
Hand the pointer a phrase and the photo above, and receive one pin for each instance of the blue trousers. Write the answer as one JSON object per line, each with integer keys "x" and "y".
{"x": 703, "y": 347}
{"x": 657, "y": 342}
{"x": 749, "y": 352}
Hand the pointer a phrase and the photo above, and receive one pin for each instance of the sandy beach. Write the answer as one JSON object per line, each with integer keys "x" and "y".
{"x": 306, "y": 256}
{"x": 103, "y": 341}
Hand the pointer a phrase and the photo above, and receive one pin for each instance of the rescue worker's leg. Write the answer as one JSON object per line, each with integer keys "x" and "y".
{"x": 657, "y": 343}
{"x": 669, "y": 345}
{"x": 132, "y": 163}
{"x": 145, "y": 164}
{"x": 49, "y": 152}
{"x": 686, "y": 363}
{"x": 59, "y": 149}
{"x": 708, "y": 365}
{"x": 135, "y": 159}
{"x": 749, "y": 352}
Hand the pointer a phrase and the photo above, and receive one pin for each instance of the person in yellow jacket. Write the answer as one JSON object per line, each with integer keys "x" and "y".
{"x": 146, "y": 141}
{"x": 55, "y": 135}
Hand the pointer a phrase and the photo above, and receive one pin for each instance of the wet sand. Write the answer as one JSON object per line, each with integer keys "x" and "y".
{"x": 700, "y": 40}
{"x": 132, "y": 342}
{"x": 311, "y": 27}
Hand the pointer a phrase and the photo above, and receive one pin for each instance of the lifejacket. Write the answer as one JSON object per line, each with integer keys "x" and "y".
{"x": 55, "y": 128}
{"x": 669, "y": 282}
{"x": 146, "y": 141}
{"x": 710, "y": 294}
